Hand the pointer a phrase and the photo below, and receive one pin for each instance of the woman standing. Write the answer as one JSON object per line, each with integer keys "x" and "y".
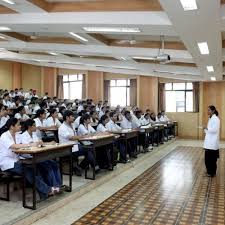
{"x": 211, "y": 143}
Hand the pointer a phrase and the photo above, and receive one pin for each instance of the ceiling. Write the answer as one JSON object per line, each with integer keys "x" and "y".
{"x": 40, "y": 34}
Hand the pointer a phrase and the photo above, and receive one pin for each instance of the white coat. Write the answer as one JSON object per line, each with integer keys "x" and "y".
{"x": 212, "y": 133}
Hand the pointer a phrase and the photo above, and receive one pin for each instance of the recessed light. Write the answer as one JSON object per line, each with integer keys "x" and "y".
{"x": 78, "y": 36}
{"x": 189, "y": 5}
{"x": 203, "y": 47}
{"x": 213, "y": 78}
{"x": 9, "y": 2}
{"x": 1, "y": 37}
{"x": 112, "y": 29}
{"x": 53, "y": 53}
{"x": 4, "y": 28}
{"x": 210, "y": 69}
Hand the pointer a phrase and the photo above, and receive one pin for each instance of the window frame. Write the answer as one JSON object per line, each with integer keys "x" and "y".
{"x": 74, "y": 81}
{"x": 124, "y": 86}
{"x": 185, "y": 94}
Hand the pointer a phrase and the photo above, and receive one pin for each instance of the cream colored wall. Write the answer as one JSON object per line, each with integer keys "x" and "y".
{"x": 32, "y": 78}
{"x": 5, "y": 75}
{"x": 188, "y": 124}
{"x": 111, "y": 76}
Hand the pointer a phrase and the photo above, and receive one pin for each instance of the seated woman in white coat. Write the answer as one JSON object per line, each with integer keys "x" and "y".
{"x": 21, "y": 114}
{"x": 67, "y": 134}
{"x": 48, "y": 168}
{"x": 102, "y": 124}
{"x": 211, "y": 143}
{"x": 9, "y": 161}
{"x": 85, "y": 127}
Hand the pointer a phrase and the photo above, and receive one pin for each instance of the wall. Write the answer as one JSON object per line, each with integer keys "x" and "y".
{"x": 49, "y": 76}
{"x": 147, "y": 93}
{"x": 31, "y": 77}
{"x": 94, "y": 85}
{"x": 5, "y": 75}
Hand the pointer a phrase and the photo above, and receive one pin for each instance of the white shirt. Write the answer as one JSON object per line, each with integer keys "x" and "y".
{"x": 80, "y": 108}
{"x": 28, "y": 110}
{"x": 111, "y": 126}
{"x": 101, "y": 113}
{"x": 3, "y": 121}
{"x": 76, "y": 123}
{"x": 126, "y": 124}
{"x": 7, "y": 103}
{"x": 144, "y": 121}
{"x": 50, "y": 122}
{"x": 212, "y": 132}
{"x": 83, "y": 130}
{"x": 164, "y": 119}
{"x": 7, "y": 156}
{"x": 135, "y": 122}
{"x": 101, "y": 128}
{"x": 39, "y": 123}
{"x": 27, "y": 139}
{"x": 23, "y": 117}
{"x": 35, "y": 109}
{"x": 65, "y": 132}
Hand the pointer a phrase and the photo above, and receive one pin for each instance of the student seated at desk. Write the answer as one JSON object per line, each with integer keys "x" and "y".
{"x": 76, "y": 123}
{"x": 85, "y": 127}
{"x": 102, "y": 124}
{"x": 3, "y": 117}
{"x": 16, "y": 102}
{"x": 111, "y": 126}
{"x": 164, "y": 117}
{"x": 94, "y": 117}
{"x": 21, "y": 114}
{"x": 67, "y": 134}
{"x": 6, "y": 100}
{"x": 9, "y": 161}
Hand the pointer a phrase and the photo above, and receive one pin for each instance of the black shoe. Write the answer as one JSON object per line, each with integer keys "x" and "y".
{"x": 133, "y": 155}
{"x": 122, "y": 161}
{"x": 77, "y": 170}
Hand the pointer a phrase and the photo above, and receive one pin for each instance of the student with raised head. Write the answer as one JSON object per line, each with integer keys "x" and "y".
{"x": 40, "y": 122}
{"x": 211, "y": 142}
{"x": 102, "y": 124}
{"x": 6, "y": 100}
{"x": 52, "y": 120}
{"x": 76, "y": 123}
{"x": 21, "y": 114}
{"x": 9, "y": 161}
{"x": 3, "y": 118}
{"x": 102, "y": 112}
{"x": 126, "y": 123}
{"x": 67, "y": 134}
{"x": 48, "y": 168}
{"x": 85, "y": 126}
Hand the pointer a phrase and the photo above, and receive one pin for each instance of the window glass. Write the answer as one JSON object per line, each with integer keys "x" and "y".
{"x": 118, "y": 96}
{"x": 168, "y": 86}
{"x": 65, "y": 78}
{"x": 121, "y": 83}
{"x": 189, "y": 101}
{"x": 72, "y": 77}
{"x": 112, "y": 83}
{"x": 189, "y": 86}
{"x": 76, "y": 90}
{"x": 66, "y": 90}
{"x": 178, "y": 86}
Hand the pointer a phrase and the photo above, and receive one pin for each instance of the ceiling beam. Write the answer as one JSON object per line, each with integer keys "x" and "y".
{"x": 99, "y": 6}
{"x": 5, "y": 10}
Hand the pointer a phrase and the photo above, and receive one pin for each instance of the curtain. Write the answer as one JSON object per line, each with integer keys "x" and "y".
{"x": 107, "y": 90}
{"x": 133, "y": 92}
{"x": 196, "y": 96}
{"x": 60, "y": 93}
{"x": 162, "y": 97}
{"x": 84, "y": 87}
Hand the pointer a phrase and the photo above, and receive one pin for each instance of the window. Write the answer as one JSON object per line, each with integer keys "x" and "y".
{"x": 72, "y": 86}
{"x": 179, "y": 97}
{"x": 120, "y": 92}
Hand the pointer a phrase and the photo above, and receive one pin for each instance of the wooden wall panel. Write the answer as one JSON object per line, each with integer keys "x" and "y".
{"x": 147, "y": 93}
{"x": 49, "y": 80}
{"x": 16, "y": 75}
{"x": 94, "y": 85}
{"x": 5, "y": 75}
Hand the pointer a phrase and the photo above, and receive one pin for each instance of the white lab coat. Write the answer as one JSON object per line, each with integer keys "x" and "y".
{"x": 135, "y": 121}
{"x": 3, "y": 121}
{"x": 101, "y": 128}
{"x": 76, "y": 123}
{"x": 26, "y": 138}
{"x": 111, "y": 126}
{"x": 65, "y": 132}
{"x": 23, "y": 117}
{"x": 50, "y": 122}
{"x": 212, "y": 133}
{"x": 83, "y": 130}
{"x": 39, "y": 123}
{"x": 126, "y": 124}
{"x": 7, "y": 156}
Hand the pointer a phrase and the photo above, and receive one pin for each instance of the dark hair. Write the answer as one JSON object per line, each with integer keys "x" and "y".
{"x": 1, "y": 106}
{"x": 40, "y": 112}
{"x": 66, "y": 114}
{"x": 11, "y": 122}
{"x": 61, "y": 108}
{"x": 137, "y": 112}
{"x": 6, "y": 94}
{"x": 28, "y": 123}
{"x": 52, "y": 111}
{"x": 214, "y": 110}
{"x": 111, "y": 114}
{"x": 126, "y": 113}
{"x": 20, "y": 108}
{"x": 103, "y": 118}
{"x": 84, "y": 117}
{"x": 82, "y": 112}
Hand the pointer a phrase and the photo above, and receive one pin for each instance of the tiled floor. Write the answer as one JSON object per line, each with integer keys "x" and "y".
{"x": 174, "y": 191}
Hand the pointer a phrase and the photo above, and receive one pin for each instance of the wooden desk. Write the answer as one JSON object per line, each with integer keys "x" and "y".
{"x": 127, "y": 134}
{"x": 159, "y": 129}
{"x": 39, "y": 155}
{"x": 147, "y": 130}
{"x": 98, "y": 140}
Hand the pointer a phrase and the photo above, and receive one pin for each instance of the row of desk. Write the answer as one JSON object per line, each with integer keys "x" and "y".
{"x": 48, "y": 152}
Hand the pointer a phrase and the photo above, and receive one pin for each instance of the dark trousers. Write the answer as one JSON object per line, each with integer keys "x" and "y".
{"x": 211, "y": 157}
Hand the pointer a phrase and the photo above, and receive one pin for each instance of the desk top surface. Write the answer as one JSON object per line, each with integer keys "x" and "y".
{"x": 96, "y": 136}
{"x": 35, "y": 150}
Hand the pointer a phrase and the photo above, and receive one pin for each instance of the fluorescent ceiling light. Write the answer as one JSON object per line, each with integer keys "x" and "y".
{"x": 203, "y": 47}
{"x": 213, "y": 78}
{"x": 1, "y": 37}
{"x": 9, "y": 2}
{"x": 53, "y": 53}
{"x": 112, "y": 29}
{"x": 210, "y": 69}
{"x": 143, "y": 57}
{"x": 78, "y": 36}
{"x": 2, "y": 49}
{"x": 4, "y": 28}
{"x": 189, "y": 5}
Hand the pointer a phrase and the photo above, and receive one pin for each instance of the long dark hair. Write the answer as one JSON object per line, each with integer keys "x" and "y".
{"x": 214, "y": 110}
{"x": 11, "y": 122}
{"x": 28, "y": 123}
{"x": 83, "y": 118}
{"x": 103, "y": 118}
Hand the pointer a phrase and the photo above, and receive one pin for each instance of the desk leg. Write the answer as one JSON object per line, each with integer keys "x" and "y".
{"x": 94, "y": 164}
{"x": 34, "y": 167}
{"x": 71, "y": 171}
{"x": 24, "y": 187}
